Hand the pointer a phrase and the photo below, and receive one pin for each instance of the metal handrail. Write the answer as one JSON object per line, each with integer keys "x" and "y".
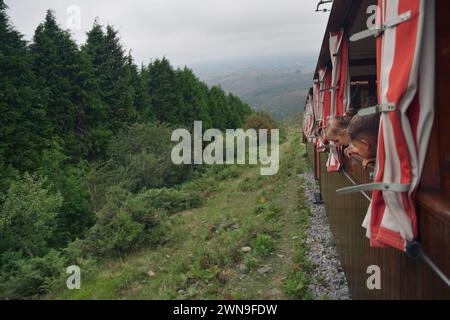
{"x": 354, "y": 183}
{"x": 414, "y": 250}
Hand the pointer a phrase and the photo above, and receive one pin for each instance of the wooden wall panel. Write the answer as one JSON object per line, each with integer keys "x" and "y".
{"x": 402, "y": 278}
{"x": 442, "y": 92}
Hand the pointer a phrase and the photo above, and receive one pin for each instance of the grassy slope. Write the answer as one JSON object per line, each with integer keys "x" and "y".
{"x": 204, "y": 256}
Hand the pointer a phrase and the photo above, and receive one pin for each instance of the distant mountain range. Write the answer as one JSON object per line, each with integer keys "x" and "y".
{"x": 278, "y": 85}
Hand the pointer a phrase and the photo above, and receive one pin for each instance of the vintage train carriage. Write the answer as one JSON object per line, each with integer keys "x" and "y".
{"x": 349, "y": 77}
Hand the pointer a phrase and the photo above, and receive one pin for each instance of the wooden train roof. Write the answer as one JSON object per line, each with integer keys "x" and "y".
{"x": 351, "y": 15}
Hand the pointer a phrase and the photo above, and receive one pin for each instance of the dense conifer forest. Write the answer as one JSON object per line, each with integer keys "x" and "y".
{"x": 85, "y": 169}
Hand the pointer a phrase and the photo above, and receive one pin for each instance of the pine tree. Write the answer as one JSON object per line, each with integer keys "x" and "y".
{"x": 113, "y": 70}
{"x": 99, "y": 129}
{"x": 23, "y": 127}
{"x": 139, "y": 82}
{"x": 64, "y": 81}
{"x": 205, "y": 93}
{"x": 58, "y": 66}
{"x": 118, "y": 91}
{"x": 217, "y": 108}
{"x": 195, "y": 98}
{"x": 164, "y": 92}
{"x": 234, "y": 118}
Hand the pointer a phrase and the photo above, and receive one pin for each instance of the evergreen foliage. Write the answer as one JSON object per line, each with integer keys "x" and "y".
{"x": 85, "y": 149}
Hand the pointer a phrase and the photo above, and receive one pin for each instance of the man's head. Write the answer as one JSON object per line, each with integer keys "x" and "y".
{"x": 363, "y": 133}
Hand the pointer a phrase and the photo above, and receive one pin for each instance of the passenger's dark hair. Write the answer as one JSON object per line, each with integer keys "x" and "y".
{"x": 364, "y": 127}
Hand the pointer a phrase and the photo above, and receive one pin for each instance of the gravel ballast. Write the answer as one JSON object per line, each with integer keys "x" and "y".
{"x": 328, "y": 278}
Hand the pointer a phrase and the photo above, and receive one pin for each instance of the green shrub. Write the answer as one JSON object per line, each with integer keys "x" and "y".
{"x": 30, "y": 277}
{"x": 139, "y": 158}
{"x": 28, "y": 216}
{"x": 7, "y": 175}
{"x": 205, "y": 185}
{"x": 247, "y": 185}
{"x": 229, "y": 172}
{"x": 145, "y": 150}
{"x": 77, "y": 253}
{"x": 264, "y": 245}
{"x": 250, "y": 262}
{"x": 260, "y": 208}
{"x": 119, "y": 235}
{"x": 296, "y": 286}
{"x": 171, "y": 200}
{"x": 76, "y": 214}
{"x": 125, "y": 224}
{"x": 260, "y": 120}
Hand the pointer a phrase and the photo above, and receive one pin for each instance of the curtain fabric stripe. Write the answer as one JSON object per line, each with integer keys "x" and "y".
{"x": 402, "y": 52}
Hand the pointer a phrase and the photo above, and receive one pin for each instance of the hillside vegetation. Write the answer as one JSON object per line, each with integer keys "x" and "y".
{"x": 85, "y": 166}
{"x": 246, "y": 241}
{"x": 86, "y": 179}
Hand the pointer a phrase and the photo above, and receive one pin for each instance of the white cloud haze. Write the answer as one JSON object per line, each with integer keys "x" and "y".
{"x": 188, "y": 31}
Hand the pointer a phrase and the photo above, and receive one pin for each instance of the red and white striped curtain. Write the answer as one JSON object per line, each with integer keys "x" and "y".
{"x": 406, "y": 76}
{"x": 318, "y": 106}
{"x": 339, "y": 89}
{"x": 340, "y": 84}
{"x": 334, "y": 160}
{"x": 325, "y": 84}
{"x": 319, "y": 86}
{"x": 326, "y": 96}
{"x": 308, "y": 119}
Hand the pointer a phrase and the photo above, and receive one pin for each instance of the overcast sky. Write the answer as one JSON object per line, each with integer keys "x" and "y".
{"x": 188, "y": 31}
